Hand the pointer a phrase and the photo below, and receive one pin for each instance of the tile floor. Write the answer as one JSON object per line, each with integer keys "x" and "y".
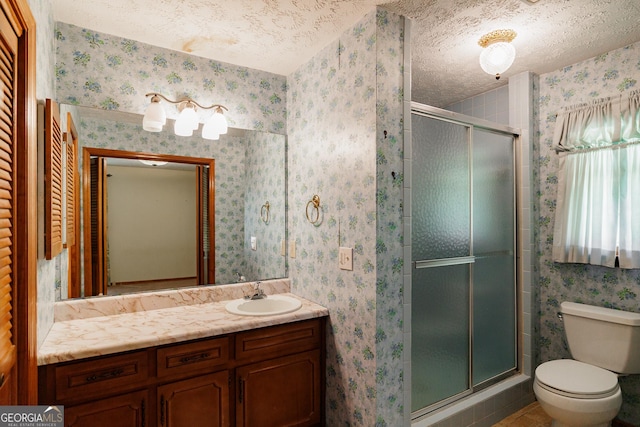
{"x": 529, "y": 416}
{"x": 534, "y": 416}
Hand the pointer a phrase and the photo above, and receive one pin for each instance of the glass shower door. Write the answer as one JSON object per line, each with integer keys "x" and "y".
{"x": 494, "y": 291}
{"x": 463, "y": 325}
{"x": 441, "y": 252}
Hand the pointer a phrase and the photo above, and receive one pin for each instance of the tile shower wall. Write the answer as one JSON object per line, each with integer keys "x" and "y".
{"x": 612, "y": 73}
{"x": 338, "y": 104}
{"x": 492, "y": 105}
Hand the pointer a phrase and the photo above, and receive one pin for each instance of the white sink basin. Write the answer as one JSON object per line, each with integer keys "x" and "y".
{"x": 269, "y": 306}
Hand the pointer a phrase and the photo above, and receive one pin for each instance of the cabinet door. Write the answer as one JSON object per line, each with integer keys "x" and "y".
{"x": 281, "y": 392}
{"x": 127, "y": 410}
{"x": 201, "y": 401}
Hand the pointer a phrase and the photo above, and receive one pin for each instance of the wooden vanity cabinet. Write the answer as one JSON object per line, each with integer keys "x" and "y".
{"x": 199, "y": 401}
{"x": 280, "y": 376}
{"x": 272, "y": 376}
{"x": 130, "y": 410}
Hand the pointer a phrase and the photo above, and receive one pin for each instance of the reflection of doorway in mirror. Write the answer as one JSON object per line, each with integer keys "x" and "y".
{"x": 149, "y": 240}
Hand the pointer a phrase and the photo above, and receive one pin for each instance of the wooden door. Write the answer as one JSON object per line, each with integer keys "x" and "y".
{"x": 17, "y": 198}
{"x": 201, "y": 401}
{"x": 127, "y": 410}
{"x": 95, "y": 253}
{"x": 280, "y": 392}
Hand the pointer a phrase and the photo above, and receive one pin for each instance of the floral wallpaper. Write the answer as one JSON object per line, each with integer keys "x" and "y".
{"x": 109, "y": 72}
{"x": 615, "y": 72}
{"x": 339, "y": 106}
{"x": 389, "y": 238}
{"x": 264, "y": 184}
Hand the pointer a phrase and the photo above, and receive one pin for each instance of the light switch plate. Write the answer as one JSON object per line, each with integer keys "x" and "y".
{"x": 292, "y": 249}
{"x": 345, "y": 259}
{"x": 254, "y": 243}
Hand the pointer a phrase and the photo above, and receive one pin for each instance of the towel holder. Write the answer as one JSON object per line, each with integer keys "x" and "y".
{"x": 264, "y": 212}
{"x": 315, "y": 209}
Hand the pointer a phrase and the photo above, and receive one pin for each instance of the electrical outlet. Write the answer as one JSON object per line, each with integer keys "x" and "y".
{"x": 345, "y": 259}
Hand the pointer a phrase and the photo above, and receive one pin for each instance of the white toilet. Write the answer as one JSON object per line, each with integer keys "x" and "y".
{"x": 584, "y": 391}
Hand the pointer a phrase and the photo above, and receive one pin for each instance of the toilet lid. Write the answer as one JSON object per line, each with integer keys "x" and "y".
{"x": 577, "y": 378}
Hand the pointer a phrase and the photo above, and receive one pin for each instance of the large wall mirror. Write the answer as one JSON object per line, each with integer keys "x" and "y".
{"x": 215, "y": 213}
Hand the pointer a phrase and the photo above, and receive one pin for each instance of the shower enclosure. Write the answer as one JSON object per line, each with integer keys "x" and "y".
{"x": 463, "y": 246}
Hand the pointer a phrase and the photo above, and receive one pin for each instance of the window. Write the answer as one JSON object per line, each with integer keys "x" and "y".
{"x": 597, "y": 219}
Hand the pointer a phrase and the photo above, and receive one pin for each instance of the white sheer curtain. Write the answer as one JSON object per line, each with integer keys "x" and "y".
{"x": 598, "y": 174}
{"x": 630, "y": 206}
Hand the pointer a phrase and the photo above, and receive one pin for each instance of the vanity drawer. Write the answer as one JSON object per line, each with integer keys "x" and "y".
{"x": 192, "y": 358}
{"x": 77, "y": 380}
{"x": 275, "y": 341}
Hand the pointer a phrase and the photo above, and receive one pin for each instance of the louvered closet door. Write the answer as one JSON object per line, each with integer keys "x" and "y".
{"x": 8, "y": 49}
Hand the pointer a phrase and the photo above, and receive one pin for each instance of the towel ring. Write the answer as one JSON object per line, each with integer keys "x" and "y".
{"x": 315, "y": 203}
{"x": 264, "y": 212}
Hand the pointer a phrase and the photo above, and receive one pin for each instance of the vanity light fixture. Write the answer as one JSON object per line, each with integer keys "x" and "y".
{"x": 498, "y": 53}
{"x": 155, "y": 117}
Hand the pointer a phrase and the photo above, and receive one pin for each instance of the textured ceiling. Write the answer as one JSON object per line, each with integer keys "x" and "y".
{"x": 280, "y": 35}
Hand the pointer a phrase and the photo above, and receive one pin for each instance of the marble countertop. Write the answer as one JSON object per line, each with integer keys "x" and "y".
{"x": 101, "y": 335}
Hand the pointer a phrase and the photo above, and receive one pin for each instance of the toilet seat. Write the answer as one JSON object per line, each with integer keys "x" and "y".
{"x": 579, "y": 380}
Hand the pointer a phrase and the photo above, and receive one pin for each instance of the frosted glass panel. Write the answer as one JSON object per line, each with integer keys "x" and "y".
{"x": 493, "y": 192}
{"x": 494, "y": 346}
{"x": 440, "y": 189}
{"x": 440, "y": 334}
{"x": 494, "y": 334}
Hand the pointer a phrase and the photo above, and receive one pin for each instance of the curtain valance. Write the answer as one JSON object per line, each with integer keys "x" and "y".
{"x": 601, "y": 123}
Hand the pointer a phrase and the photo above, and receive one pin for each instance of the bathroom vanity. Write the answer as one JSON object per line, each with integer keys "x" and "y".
{"x": 241, "y": 371}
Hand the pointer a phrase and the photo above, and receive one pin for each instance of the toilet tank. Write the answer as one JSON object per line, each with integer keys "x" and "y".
{"x": 603, "y": 337}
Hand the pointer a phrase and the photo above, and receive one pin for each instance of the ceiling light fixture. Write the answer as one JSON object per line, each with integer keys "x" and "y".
{"x": 153, "y": 162}
{"x": 155, "y": 117}
{"x": 498, "y": 53}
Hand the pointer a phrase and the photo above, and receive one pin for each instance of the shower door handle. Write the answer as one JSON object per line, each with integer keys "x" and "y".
{"x": 428, "y": 263}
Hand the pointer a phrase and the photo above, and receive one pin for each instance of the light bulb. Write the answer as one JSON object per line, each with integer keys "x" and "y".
{"x": 209, "y": 131}
{"x": 496, "y": 58}
{"x": 219, "y": 121}
{"x": 187, "y": 121}
{"x": 154, "y": 117}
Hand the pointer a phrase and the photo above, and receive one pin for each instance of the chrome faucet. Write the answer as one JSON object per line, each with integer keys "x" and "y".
{"x": 258, "y": 292}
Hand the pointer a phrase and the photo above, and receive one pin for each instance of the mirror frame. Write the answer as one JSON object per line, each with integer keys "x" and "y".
{"x": 88, "y": 152}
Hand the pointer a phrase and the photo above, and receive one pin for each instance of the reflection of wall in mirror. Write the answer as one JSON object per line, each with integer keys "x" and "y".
{"x": 148, "y": 236}
{"x": 264, "y": 154}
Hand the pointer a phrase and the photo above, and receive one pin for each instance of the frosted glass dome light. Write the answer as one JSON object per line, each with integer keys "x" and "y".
{"x": 498, "y": 53}
{"x": 154, "y": 117}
